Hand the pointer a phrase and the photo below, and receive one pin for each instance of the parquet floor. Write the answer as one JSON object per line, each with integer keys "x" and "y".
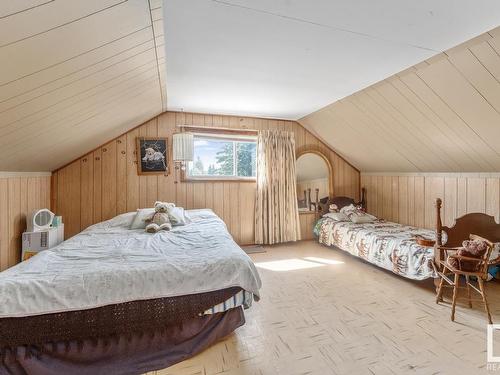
{"x": 347, "y": 317}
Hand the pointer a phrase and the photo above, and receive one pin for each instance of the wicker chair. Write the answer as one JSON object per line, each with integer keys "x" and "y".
{"x": 480, "y": 274}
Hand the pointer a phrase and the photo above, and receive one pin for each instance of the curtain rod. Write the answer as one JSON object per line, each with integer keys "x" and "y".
{"x": 208, "y": 128}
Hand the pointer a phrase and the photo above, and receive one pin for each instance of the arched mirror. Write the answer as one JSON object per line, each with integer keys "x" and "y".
{"x": 314, "y": 181}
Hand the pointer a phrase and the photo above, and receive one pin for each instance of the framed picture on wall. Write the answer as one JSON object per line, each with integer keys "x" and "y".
{"x": 152, "y": 156}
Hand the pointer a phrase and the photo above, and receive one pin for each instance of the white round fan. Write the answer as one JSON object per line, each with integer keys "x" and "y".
{"x": 40, "y": 219}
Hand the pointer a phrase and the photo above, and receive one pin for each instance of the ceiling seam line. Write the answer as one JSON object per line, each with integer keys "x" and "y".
{"x": 445, "y": 122}
{"x": 429, "y": 119}
{"x": 76, "y": 71}
{"x": 484, "y": 66}
{"x": 473, "y": 85}
{"x": 461, "y": 119}
{"x": 371, "y": 115}
{"x": 156, "y": 55}
{"x": 128, "y": 99}
{"x": 75, "y": 56}
{"x": 324, "y": 26}
{"x": 380, "y": 128}
{"x": 74, "y": 96}
{"x": 493, "y": 48}
{"x": 62, "y": 25}
{"x": 86, "y": 111}
{"x": 77, "y": 80}
{"x": 410, "y": 122}
{"x": 375, "y": 97}
{"x": 26, "y": 9}
{"x": 89, "y": 109}
{"x": 349, "y": 125}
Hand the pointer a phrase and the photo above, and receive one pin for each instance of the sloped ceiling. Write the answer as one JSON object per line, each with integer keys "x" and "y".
{"x": 442, "y": 115}
{"x": 288, "y": 58}
{"x": 77, "y": 73}
{"x": 74, "y": 74}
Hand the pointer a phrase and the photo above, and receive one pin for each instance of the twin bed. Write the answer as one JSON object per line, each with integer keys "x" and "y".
{"x": 387, "y": 245}
{"x": 116, "y": 300}
{"x": 394, "y": 247}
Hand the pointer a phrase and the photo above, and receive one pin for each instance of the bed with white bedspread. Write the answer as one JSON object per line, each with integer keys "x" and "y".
{"x": 108, "y": 263}
{"x": 108, "y": 272}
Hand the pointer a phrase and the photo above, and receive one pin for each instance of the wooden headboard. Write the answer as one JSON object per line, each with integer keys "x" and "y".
{"x": 475, "y": 223}
{"x": 346, "y": 201}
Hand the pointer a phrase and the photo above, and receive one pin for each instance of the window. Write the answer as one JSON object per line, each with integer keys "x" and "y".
{"x": 223, "y": 157}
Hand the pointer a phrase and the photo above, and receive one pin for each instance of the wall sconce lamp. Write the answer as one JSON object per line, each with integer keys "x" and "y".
{"x": 182, "y": 149}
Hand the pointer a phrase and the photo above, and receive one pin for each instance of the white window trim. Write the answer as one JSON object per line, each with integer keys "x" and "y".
{"x": 229, "y": 137}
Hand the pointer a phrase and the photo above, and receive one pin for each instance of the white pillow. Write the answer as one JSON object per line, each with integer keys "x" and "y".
{"x": 361, "y": 219}
{"x": 337, "y": 216}
{"x": 123, "y": 220}
{"x": 495, "y": 253}
{"x": 178, "y": 216}
{"x": 357, "y": 215}
{"x": 142, "y": 214}
{"x": 349, "y": 208}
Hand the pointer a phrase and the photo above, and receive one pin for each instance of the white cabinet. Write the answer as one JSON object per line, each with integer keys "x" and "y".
{"x": 34, "y": 242}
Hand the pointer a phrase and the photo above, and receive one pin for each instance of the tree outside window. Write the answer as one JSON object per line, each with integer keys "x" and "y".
{"x": 221, "y": 157}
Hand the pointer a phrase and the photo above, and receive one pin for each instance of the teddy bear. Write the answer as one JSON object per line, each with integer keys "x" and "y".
{"x": 160, "y": 219}
{"x": 152, "y": 155}
{"x": 471, "y": 249}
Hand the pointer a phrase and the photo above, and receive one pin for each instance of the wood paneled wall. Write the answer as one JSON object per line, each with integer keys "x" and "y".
{"x": 105, "y": 183}
{"x": 307, "y": 221}
{"x": 19, "y": 195}
{"x": 409, "y": 198}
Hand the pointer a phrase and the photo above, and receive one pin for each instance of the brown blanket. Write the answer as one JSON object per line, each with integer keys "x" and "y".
{"x": 107, "y": 322}
{"x": 136, "y": 354}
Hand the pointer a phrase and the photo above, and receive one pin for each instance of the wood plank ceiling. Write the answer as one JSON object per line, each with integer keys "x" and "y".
{"x": 75, "y": 74}
{"x": 442, "y": 115}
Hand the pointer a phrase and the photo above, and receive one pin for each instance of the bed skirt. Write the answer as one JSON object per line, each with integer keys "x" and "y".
{"x": 110, "y": 321}
{"x": 135, "y": 354}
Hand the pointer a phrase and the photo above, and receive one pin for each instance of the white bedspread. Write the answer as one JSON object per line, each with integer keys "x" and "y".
{"x": 108, "y": 263}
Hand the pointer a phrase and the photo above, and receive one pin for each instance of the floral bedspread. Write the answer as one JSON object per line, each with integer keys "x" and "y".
{"x": 388, "y": 245}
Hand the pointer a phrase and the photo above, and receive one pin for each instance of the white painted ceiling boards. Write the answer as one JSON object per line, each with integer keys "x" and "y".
{"x": 74, "y": 74}
{"x": 288, "y": 58}
{"x": 442, "y": 115}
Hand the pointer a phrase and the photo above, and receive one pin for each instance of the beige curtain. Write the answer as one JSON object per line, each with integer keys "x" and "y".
{"x": 276, "y": 214}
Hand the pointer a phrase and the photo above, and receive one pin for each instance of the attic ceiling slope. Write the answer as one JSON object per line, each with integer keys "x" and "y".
{"x": 74, "y": 74}
{"x": 288, "y": 58}
{"x": 442, "y": 115}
